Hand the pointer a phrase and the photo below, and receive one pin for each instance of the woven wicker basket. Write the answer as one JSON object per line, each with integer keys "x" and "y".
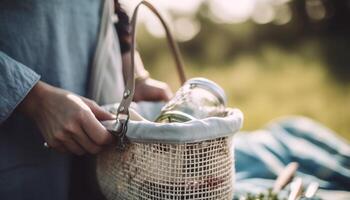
{"x": 203, "y": 169}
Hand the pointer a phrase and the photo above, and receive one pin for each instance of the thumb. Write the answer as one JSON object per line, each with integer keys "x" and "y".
{"x": 98, "y": 111}
{"x": 162, "y": 94}
{"x": 167, "y": 94}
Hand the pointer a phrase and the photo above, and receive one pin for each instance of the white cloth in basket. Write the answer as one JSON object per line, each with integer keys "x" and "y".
{"x": 178, "y": 133}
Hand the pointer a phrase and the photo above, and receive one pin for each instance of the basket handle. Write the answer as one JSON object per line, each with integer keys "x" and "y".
{"x": 123, "y": 109}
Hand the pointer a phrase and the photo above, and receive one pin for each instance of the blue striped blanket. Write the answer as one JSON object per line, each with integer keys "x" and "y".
{"x": 322, "y": 156}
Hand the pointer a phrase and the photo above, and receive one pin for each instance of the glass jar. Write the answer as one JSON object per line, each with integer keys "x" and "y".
{"x": 198, "y": 98}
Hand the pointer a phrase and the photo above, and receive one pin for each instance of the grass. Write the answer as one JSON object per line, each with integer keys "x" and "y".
{"x": 271, "y": 83}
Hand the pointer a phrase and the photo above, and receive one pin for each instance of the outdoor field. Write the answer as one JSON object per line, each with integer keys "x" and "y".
{"x": 265, "y": 82}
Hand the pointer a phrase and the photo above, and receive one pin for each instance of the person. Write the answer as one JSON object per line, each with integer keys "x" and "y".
{"x": 46, "y": 51}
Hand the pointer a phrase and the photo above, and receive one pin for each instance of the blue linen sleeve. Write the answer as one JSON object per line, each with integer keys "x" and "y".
{"x": 16, "y": 80}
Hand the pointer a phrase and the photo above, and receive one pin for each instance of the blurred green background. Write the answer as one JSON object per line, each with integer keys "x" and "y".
{"x": 272, "y": 57}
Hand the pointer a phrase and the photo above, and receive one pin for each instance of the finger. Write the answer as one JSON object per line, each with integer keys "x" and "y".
{"x": 84, "y": 141}
{"x": 161, "y": 94}
{"x": 161, "y": 90}
{"x": 73, "y": 147}
{"x": 52, "y": 143}
{"x": 56, "y": 145}
{"x": 95, "y": 130}
{"x": 166, "y": 94}
{"x": 98, "y": 111}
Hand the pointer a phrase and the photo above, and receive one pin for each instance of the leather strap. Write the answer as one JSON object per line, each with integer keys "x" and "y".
{"x": 120, "y": 127}
{"x": 130, "y": 82}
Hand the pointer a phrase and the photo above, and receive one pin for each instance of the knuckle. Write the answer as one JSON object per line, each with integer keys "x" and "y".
{"x": 93, "y": 103}
{"x": 90, "y": 102}
{"x": 70, "y": 126}
{"x": 80, "y": 115}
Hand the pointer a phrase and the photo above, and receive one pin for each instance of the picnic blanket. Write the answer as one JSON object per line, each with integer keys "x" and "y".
{"x": 322, "y": 156}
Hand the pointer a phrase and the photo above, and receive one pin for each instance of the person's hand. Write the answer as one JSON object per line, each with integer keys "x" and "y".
{"x": 67, "y": 122}
{"x": 151, "y": 90}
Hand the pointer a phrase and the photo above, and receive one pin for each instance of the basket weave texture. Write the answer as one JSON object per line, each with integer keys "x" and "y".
{"x": 202, "y": 170}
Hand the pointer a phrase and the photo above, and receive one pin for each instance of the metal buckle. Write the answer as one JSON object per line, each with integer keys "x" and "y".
{"x": 119, "y": 131}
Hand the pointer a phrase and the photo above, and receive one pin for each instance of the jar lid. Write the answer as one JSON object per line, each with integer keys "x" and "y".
{"x": 210, "y": 86}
